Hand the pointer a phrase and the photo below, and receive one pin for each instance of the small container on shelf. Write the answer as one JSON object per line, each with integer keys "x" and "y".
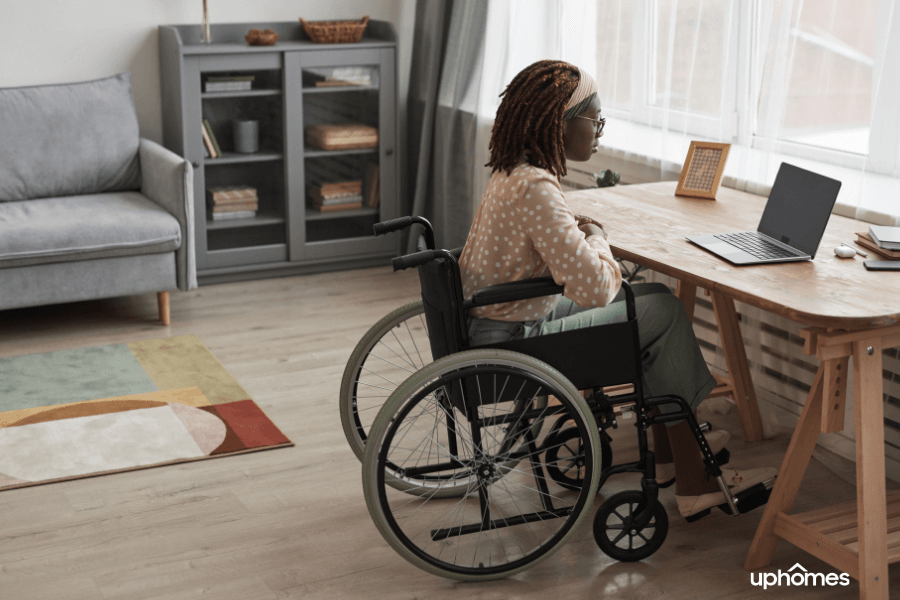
{"x": 261, "y": 37}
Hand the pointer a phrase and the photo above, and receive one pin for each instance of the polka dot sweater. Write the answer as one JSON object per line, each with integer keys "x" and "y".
{"x": 524, "y": 229}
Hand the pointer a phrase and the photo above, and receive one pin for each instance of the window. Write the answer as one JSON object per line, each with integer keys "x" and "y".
{"x": 828, "y": 52}
{"x": 795, "y": 74}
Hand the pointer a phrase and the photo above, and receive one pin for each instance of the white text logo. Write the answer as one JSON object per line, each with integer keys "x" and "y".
{"x": 798, "y": 576}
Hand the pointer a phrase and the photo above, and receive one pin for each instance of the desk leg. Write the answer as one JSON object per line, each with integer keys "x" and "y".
{"x": 687, "y": 293}
{"x": 790, "y": 475}
{"x": 738, "y": 369}
{"x": 870, "y": 485}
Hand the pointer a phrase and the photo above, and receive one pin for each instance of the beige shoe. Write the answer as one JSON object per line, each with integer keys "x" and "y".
{"x": 665, "y": 472}
{"x": 738, "y": 480}
{"x": 717, "y": 440}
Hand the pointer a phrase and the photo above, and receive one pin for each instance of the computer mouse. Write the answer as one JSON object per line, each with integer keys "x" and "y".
{"x": 845, "y": 252}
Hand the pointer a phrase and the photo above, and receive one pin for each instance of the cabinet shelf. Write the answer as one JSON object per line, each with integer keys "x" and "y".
{"x": 314, "y": 215}
{"x": 233, "y": 158}
{"x": 338, "y": 88}
{"x": 257, "y": 221}
{"x": 240, "y": 94}
{"x": 311, "y": 152}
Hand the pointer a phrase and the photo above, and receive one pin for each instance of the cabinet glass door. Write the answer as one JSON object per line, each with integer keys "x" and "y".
{"x": 348, "y": 141}
{"x": 243, "y": 174}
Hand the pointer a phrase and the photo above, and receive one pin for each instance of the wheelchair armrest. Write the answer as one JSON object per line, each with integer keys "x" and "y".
{"x": 515, "y": 290}
{"x": 534, "y": 288}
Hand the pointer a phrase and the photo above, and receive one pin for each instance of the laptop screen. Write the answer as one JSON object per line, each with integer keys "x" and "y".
{"x": 799, "y": 207}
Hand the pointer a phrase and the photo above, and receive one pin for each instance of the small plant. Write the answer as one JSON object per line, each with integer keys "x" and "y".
{"x": 609, "y": 178}
{"x": 606, "y": 178}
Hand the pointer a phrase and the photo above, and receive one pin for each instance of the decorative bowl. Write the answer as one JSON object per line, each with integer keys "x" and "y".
{"x": 261, "y": 37}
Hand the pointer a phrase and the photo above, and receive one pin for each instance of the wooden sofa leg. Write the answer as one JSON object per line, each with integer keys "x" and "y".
{"x": 162, "y": 299}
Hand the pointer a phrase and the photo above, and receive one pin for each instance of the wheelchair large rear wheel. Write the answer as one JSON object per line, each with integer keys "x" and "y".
{"x": 467, "y": 421}
{"x": 393, "y": 349}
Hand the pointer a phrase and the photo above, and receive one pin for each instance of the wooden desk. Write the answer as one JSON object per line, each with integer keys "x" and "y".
{"x": 849, "y": 312}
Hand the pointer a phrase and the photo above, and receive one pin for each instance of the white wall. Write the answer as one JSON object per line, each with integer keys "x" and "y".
{"x": 58, "y": 41}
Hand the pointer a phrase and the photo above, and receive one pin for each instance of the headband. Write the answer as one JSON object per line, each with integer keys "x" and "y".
{"x": 582, "y": 96}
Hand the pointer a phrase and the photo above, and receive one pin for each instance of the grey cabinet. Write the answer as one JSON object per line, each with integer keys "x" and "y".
{"x": 290, "y": 91}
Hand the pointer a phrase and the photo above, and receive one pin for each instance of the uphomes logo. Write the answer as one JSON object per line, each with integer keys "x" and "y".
{"x": 799, "y": 577}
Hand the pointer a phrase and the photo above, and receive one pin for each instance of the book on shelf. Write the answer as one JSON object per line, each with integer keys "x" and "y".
{"x": 229, "y": 83}
{"x": 230, "y": 194}
{"x": 227, "y": 216}
{"x": 212, "y": 137}
{"x": 335, "y": 190}
{"x": 223, "y": 208}
{"x": 220, "y": 78}
{"x": 339, "y": 77}
{"x": 885, "y": 236}
{"x": 336, "y": 207}
{"x": 237, "y": 86}
{"x": 371, "y": 186}
{"x": 356, "y": 199}
{"x": 207, "y": 143}
{"x": 866, "y": 242}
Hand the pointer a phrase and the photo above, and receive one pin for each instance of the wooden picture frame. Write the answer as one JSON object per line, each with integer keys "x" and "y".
{"x": 702, "y": 170}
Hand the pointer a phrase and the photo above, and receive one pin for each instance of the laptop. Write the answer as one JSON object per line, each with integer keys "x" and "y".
{"x": 792, "y": 224}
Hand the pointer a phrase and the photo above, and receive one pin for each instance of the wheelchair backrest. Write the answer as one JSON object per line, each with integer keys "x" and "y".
{"x": 443, "y": 301}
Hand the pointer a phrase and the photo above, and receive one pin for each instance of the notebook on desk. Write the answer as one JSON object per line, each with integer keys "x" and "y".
{"x": 792, "y": 223}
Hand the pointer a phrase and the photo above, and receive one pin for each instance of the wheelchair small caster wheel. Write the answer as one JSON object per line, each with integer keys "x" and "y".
{"x": 616, "y": 534}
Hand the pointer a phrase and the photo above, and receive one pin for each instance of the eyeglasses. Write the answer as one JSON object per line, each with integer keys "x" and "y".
{"x": 598, "y": 123}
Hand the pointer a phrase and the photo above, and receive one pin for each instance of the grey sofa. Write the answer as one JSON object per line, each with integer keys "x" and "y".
{"x": 88, "y": 209}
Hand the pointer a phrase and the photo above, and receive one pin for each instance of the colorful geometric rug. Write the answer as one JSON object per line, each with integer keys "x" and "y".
{"x": 93, "y": 411}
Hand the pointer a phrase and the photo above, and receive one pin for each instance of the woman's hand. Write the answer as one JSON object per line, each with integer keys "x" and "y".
{"x": 589, "y": 226}
{"x": 590, "y": 229}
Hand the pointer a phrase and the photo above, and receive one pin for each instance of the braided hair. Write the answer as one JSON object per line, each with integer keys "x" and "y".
{"x": 530, "y": 118}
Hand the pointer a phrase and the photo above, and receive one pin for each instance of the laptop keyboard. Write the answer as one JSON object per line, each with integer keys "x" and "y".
{"x": 756, "y": 245}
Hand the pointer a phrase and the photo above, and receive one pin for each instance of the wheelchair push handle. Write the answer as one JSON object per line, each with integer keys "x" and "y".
{"x": 420, "y": 258}
{"x": 409, "y": 261}
{"x": 404, "y": 222}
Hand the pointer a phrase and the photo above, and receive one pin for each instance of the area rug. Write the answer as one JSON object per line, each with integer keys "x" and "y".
{"x": 93, "y": 411}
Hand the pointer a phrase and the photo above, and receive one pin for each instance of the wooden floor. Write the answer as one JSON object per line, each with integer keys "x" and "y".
{"x": 292, "y": 523}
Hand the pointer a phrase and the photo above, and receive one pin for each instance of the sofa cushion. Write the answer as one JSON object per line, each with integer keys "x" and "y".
{"x": 70, "y": 139}
{"x": 75, "y": 228}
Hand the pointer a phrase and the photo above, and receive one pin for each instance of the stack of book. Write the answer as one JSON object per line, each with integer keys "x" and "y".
{"x": 882, "y": 240}
{"x": 231, "y": 202}
{"x": 329, "y": 197}
{"x": 229, "y": 83}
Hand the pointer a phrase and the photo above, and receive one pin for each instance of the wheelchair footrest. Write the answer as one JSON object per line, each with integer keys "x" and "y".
{"x": 751, "y": 498}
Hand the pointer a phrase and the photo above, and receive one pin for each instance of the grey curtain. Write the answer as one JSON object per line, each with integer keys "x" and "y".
{"x": 445, "y": 75}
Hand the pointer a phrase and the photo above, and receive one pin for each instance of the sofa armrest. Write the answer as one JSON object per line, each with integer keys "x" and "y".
{"x": 168, "y": 180}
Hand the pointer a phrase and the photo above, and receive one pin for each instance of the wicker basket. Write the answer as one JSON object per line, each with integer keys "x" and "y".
{"x": 341, "y": 137}
{"x": 335, "y": 32}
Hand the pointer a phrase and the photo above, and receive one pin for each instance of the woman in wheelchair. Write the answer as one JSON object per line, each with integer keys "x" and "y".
{"x": 550, "y": 114}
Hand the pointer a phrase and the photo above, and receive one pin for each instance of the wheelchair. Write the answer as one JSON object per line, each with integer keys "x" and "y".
{"x": 483, "y": 462}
